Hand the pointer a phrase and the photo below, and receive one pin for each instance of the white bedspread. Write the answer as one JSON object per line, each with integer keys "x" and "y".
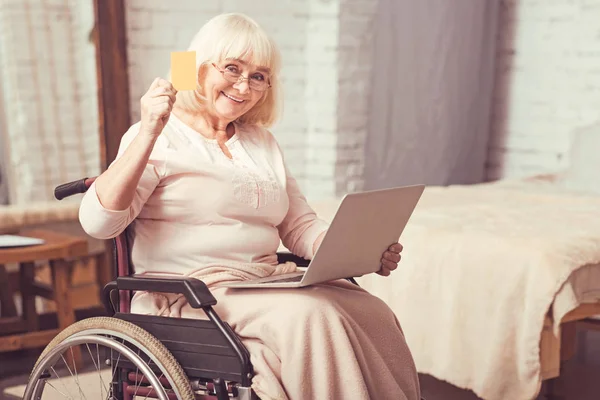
{"x": 481, "y": 267}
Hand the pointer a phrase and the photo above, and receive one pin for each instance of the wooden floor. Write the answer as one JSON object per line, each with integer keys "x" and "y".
{"x": 580, "y": 379}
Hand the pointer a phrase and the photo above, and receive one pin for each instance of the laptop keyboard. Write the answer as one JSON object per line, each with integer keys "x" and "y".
{"x": 297, "y": 278}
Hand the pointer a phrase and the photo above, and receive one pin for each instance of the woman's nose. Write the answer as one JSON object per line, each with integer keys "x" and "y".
{"x": 242, "y": 85}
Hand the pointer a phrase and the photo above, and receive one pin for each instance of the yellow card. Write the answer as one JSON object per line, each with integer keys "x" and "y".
{"x": 183, "y": 70}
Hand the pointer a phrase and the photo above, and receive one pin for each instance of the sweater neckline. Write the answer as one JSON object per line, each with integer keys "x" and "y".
{"x": 195, "y": 136}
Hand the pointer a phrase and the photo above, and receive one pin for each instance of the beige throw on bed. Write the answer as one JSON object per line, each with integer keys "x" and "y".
{"x": 481, "y": 266}
{"x": 330, "y": 341}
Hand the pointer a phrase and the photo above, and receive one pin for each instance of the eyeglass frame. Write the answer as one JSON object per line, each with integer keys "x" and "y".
{"x": 243, "y": 78}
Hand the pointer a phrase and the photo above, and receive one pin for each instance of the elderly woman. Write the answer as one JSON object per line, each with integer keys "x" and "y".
{"x": 206, "y": 187}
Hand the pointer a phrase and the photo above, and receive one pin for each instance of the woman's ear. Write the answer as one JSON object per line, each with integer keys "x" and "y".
{"x": 202, "y": 71}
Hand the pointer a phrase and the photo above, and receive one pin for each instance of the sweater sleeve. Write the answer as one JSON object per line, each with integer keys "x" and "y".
{"x": 301, "y": 226}
{"x": 102, "y": 223}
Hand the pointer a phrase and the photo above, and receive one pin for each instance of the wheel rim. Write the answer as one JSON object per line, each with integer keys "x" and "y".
{"x": 137, "y": 344}
{"x": 96, "y": 337}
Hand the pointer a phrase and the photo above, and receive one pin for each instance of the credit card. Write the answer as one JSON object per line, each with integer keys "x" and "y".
{"x": 183, "y": 70}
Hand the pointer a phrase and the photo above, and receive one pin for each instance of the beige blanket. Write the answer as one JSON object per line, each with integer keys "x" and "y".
{"x": 333, "y": 341}
{"x": 482, "y": 264}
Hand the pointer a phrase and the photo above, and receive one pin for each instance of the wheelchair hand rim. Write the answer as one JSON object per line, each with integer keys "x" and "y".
{"x": 89, "y": 337}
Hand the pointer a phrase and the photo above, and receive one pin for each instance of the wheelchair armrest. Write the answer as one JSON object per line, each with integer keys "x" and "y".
{"x": 283, "y": 257}
{"x": 195, "y": 291}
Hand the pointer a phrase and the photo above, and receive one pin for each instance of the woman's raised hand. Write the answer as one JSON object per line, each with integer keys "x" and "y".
{"x": 156, "y": 106}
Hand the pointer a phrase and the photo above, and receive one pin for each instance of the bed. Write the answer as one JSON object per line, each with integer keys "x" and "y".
{"x": 518, "y": 266}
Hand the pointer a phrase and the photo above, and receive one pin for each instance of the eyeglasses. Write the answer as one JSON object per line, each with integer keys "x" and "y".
{"x": 235, "y": 77}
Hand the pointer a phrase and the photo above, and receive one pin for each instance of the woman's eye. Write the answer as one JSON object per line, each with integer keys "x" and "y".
{"x": 231, "y": 68}
{"x": 258, "y": 77}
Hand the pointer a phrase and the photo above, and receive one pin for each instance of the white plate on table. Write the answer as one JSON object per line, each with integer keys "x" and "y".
{"x": 8, "y": 241}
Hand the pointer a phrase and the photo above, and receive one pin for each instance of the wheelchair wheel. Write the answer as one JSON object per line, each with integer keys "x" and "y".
{"x": 122, "y": 361}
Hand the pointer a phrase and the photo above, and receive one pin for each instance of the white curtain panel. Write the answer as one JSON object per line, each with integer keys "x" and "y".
{"x": 49, "y": 96}
{"x": 3, "y": 175}
{"x": 432, "y": 83}
{"x": 3, "y": 183}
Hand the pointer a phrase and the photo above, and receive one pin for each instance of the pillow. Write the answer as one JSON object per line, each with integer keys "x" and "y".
{"x": 584, "y": 170}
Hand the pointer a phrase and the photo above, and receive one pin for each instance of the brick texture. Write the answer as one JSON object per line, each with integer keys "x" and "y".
{"x": 547, "y": 84}
{"x": 355, "y": 62}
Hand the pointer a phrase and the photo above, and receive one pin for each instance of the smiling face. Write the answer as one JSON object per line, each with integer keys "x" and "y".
{"x": 229, "y": 95}
{"x": 229, "y": 44}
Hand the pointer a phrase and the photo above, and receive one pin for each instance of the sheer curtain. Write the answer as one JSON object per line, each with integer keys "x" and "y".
{"x": 3, "y": 156}
{"x": 3, "y": 179}
{"x": 431, "y": 92}
{"x": 49, "y": 96}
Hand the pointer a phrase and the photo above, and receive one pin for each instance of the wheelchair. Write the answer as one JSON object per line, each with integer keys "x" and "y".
{"x": 150, "y": 356}
{"x": 136, "y": 355}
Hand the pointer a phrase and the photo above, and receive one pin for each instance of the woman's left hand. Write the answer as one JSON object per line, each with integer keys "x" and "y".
{"x": 390, "y": 259}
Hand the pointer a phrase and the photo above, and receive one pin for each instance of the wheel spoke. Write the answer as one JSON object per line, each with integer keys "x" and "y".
{"x": 97, "y": 366}
{"x": 59, "y": 378}
{"x": 114, "y": 369}
{"x": 142, "y": 354}
{"x": 147, "y": 394}
{"x": 99, "y": 371}
{"x": 76, "y": 374}
{"x": 54, "y": 387}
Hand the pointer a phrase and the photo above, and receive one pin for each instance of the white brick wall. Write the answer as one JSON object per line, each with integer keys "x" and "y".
{"x": 355, "y": 60}
{"x": 326, "y": 60}
{"x": 49, "y": 96}
{"x": 547, "y": 84}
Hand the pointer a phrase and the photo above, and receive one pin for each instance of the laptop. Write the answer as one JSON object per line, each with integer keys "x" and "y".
{"x": 364, "y": 226}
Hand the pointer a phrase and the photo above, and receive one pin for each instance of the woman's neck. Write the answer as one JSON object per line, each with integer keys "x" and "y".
{"x": 207, "y": 125}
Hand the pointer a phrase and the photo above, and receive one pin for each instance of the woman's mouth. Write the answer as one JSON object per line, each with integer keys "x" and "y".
{"x": 232, "y": 98}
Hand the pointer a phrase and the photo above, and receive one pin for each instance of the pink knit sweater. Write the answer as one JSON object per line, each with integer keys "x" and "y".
{"x": 194, "y": 206}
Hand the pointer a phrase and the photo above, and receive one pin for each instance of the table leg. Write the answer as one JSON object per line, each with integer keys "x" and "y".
{"x": 7, "y": 302}
{"x": 62, "y": 271}
{"x": 26, "y": 279}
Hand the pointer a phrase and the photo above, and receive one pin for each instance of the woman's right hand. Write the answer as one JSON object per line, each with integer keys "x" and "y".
{"x": 156, "y": 106}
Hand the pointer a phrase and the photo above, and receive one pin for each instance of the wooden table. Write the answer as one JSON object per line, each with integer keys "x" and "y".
{"x": 61, "y": 251}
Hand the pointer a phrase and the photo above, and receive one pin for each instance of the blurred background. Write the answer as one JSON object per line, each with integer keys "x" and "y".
{"x": 378, "y": 93}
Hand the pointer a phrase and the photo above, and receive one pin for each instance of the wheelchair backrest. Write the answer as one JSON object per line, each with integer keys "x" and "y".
{"x": 123, "y": 267}
{"x": 122, "y": 259}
